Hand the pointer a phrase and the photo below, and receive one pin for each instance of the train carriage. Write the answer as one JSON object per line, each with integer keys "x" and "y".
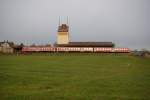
{"x": 74, "y": 49}
{"x": 121, "y": 50}
{"x": 86, "y": 49}
{"x": 99, "y": 49}
{"x": 38, "y": 49}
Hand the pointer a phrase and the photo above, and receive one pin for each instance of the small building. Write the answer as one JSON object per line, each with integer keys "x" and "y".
{"x": 6, "y": 47}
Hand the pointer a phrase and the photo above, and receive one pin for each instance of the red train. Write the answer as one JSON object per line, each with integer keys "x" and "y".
{"x": 76, "y": 49}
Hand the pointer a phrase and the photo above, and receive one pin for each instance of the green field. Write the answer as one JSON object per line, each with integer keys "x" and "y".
{"x": 74, "y": 77}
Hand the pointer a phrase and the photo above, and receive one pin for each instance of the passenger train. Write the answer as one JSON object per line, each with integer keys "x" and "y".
{"x": 76, "y": 49}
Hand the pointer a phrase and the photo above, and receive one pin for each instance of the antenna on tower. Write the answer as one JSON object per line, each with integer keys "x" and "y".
{"x": 67, "y": 20}
{"x": 59, "y": 21}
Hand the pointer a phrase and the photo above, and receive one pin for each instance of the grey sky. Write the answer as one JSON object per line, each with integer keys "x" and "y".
{"x": 124, "y": 22}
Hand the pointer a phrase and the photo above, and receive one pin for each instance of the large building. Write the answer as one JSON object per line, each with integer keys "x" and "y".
{"x": 63, "y": 40}
{"x": 64, "y": 44}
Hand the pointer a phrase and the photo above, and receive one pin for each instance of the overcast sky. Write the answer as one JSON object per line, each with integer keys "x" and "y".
{"x": 124, "y": 22}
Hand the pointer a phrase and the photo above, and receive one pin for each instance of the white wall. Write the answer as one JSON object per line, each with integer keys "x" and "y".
{"x": 63, "y": 38}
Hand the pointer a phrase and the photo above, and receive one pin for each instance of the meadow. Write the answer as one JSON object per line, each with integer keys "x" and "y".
{"x": 74, "y": 77}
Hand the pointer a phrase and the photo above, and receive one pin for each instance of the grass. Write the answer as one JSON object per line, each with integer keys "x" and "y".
{"x": 74, "y": 77}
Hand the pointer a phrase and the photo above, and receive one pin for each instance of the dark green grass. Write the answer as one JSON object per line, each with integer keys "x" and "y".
{"x": 74, "y": 77}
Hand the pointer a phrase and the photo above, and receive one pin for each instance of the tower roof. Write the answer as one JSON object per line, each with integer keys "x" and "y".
{"x": 63, "y": 28}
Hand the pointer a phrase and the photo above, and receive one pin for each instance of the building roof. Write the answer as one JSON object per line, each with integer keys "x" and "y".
{"x": 87, "y": 44}
{"x": 11, "y": 44}
{"x": 63, "y": 28}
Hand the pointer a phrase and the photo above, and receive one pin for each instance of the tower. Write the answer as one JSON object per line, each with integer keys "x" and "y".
{"x": 63, "y": 34}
